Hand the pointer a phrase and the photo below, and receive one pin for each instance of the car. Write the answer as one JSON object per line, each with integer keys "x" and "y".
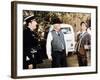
{"x": 69, "y": 36}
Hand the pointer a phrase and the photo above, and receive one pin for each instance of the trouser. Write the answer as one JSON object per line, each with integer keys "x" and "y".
{"x": 59, "y": 59}
{"x": 26, "y": 63}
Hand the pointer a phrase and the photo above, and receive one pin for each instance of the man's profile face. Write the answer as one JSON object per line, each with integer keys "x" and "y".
{"x": 33, "y": 24}
{"x": 83, "y": 26}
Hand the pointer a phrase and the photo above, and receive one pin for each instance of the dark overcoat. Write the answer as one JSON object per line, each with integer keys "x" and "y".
{"x": 30, "y": 42}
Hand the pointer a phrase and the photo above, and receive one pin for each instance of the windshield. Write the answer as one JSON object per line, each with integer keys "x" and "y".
{"x": 66, "y": 30}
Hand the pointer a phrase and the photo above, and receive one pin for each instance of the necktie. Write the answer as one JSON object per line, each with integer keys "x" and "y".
{"x": 58, "y": 33}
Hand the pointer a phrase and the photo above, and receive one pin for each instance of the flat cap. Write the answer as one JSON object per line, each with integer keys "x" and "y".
{"x": 56, "y": 20}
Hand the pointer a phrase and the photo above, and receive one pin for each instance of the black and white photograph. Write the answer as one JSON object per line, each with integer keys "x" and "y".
{"x": 53, "y": 39}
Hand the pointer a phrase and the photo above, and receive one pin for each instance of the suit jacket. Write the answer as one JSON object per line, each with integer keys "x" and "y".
{"x": 83, "y": 40}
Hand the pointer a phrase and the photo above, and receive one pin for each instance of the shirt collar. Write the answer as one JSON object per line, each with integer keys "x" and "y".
{"x": 83, "y": 32}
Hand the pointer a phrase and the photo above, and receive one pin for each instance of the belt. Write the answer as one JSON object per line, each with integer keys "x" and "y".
{"x": 60, "y": 51}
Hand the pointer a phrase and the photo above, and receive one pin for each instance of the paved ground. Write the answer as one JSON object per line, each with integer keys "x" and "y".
{"x": 71, "y": 60}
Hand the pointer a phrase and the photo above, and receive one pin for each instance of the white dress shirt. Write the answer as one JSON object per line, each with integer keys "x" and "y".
{"x": 49, "y": 47}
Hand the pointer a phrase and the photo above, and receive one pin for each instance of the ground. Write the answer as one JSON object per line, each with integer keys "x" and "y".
{"x": 71, "y": 61}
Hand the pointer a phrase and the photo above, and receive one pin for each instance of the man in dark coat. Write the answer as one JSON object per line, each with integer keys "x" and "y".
{"x": 83, "y": 45}
{"x": 30, "y": 43}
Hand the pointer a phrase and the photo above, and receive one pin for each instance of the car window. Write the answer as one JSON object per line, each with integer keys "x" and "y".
{"x": 66, "y": 30}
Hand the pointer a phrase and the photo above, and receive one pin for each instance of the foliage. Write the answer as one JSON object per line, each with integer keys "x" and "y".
{"x": 72, "y": 18}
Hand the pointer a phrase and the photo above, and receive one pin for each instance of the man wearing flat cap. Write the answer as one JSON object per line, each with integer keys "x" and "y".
{"x": 30, "y": 43}
{"x": 56, "y": 46}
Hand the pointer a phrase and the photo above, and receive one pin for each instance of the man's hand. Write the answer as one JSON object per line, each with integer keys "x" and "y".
{"x": 30, "y": 66}
{"x": 50, "y": 58}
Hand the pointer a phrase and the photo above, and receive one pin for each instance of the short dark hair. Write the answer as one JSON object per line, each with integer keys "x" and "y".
{"x": 82, "y": 23}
